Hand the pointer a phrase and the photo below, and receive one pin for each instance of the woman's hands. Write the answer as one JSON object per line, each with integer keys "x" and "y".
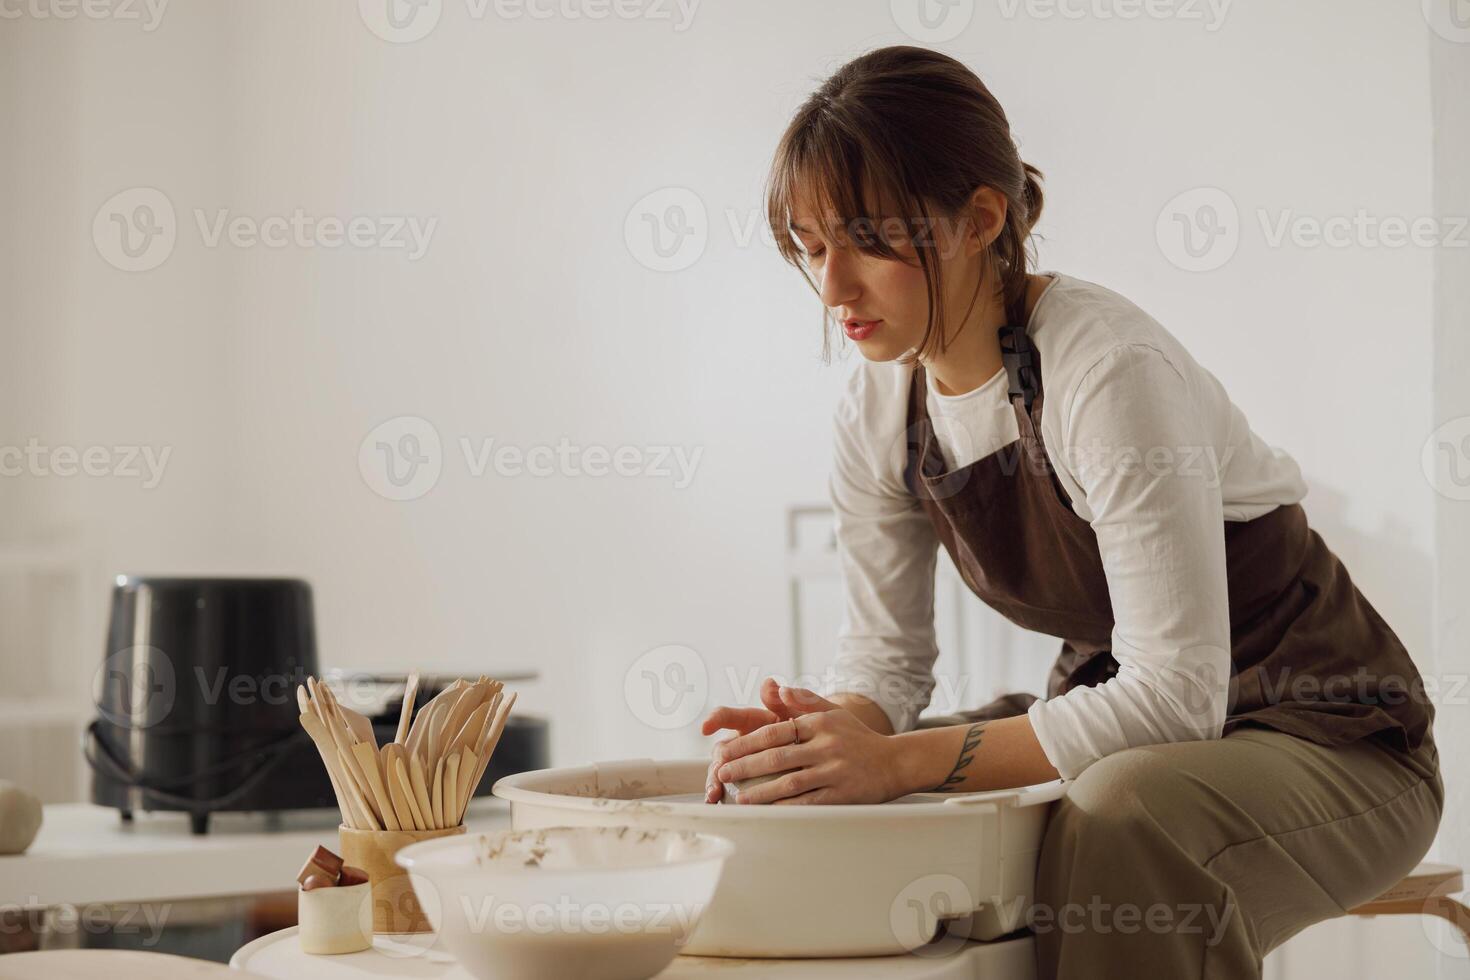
{"x": 836, "y": 757}
{"x": 744, "y": 721}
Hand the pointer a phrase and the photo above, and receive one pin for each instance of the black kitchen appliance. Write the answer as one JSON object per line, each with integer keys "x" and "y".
{"x": 196, "y": 701}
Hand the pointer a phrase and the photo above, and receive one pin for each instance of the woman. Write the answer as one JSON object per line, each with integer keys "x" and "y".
{"x": 1248, "y": 744}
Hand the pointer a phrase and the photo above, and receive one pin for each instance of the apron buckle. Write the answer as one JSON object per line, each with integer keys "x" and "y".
{"x": 1019, "y": 358}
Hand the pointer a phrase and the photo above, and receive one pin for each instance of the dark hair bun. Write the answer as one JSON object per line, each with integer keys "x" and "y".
{"x": 1033, "y": 195}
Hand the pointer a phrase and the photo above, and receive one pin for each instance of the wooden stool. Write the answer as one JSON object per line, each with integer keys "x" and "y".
{"x": 1425, "y": 891}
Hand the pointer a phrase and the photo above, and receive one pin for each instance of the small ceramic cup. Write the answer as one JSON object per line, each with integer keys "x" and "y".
{"x": 395, "y": 907}
{"x": 337, "y": 919}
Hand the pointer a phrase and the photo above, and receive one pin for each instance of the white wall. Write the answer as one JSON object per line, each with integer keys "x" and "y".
{"x": 1451, "y": 416}
{"x": 530, "y": 320}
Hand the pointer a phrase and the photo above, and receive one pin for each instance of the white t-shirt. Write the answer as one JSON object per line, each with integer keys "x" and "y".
{"x": 1152, "y": 453}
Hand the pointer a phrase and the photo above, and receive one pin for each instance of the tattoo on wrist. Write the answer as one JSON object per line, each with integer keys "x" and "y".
{"x": 956, "y": 775}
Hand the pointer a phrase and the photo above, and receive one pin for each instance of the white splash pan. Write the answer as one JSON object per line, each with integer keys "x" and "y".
{"x": 818, "y": 881}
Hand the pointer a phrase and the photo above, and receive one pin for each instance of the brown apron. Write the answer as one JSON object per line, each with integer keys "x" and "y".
{"x": 1310, "y": 656}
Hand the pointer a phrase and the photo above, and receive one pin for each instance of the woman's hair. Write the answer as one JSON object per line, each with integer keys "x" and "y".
{"x": 905, "y": 134}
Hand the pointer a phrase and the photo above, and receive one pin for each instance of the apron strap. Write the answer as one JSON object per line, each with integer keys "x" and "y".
{"x": 1022, "y": 362}
{"x": 1023, "y": 369}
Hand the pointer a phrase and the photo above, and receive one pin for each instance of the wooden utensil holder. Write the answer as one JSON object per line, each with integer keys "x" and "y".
{"x": 395, "y": 906}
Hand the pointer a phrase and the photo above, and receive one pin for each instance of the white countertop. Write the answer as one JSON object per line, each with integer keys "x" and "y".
{"x": 279, "y": 955}
{"x": 85, "y": 853}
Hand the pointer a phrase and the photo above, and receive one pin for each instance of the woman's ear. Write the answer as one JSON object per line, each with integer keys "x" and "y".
{"x": 988, "y": 208}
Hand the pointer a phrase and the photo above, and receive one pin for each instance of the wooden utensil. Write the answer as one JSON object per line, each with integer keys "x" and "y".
{"x": 453, "y": 736}
{"x": 491, "y": 738}
{"x": 351, "y": 768}
{"x": 362, "y": 815}
{"x": 468, "y": 734}
{"x": 470, "y": 698}
{"x": 329, "y": 761}
{"x": 420, "y": 788}
{"x": 400, "y": 771}
{"x": 419, "y": 729}
{"x": 441, "y": 722}
{"x": 418, "y": 732}
{"x": 410, "y": 694}
{"x": 396, "y": 797}
{"x": 367, "y": 761}
{"x": 437, "y": 801}
{"x": 394, "y": 754}
{"x": 468, "y": 763}
{"x": 488, "y": 722}
{"x": 397, "y": 794}
{"x": 357, "y": 723}
{"x": 344, "y": 802}
{"x": 451, "y": 784}
{"x": 360, "y": 725}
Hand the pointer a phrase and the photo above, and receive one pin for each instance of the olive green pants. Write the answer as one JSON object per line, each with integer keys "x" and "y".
{"x": 1235, "y": 844}
{"x": 1193, "y": 860}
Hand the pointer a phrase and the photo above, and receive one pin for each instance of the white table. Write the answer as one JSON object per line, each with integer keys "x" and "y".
{"x": 279, "y": 955}
{"x": 86, "y": 854}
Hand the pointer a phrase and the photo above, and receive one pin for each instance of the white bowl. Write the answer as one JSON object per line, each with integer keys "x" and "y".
{"x": 819, "y": 881}
{"x": 600, "y": 903}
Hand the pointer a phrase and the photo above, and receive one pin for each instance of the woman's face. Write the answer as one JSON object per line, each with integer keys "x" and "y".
{"x": 882, "y": 305}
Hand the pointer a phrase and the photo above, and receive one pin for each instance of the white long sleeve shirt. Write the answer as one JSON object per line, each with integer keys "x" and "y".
{"x": 1152, "y": 453}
